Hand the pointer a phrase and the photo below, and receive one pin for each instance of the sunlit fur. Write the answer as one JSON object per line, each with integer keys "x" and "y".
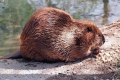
{"x": 53, "y": 35}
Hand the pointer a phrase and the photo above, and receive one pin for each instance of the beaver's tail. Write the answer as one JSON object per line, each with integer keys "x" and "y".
{"x": 15, "y": 55}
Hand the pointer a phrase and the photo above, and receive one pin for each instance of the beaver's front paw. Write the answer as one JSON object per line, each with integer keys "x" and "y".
{"x": 95, "y": 51}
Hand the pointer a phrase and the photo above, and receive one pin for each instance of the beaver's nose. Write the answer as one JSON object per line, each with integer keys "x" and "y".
{"x": 103, "y": 38}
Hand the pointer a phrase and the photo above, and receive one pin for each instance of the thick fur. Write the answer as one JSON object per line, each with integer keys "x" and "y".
{"x": 53, "y": 35}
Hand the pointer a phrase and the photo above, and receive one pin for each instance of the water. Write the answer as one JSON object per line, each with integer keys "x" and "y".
{"x": 15, "y": 13}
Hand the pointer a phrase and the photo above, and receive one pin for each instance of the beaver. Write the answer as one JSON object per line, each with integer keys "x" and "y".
{"x": 53, "y": 35}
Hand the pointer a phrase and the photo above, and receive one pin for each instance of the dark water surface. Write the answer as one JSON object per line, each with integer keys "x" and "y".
{"x": 15, "y": 13}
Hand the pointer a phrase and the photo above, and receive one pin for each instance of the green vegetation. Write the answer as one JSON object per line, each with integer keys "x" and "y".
{"x": 13, "y": 17}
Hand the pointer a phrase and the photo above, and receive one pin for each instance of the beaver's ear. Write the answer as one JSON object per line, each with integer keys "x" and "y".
{"x": 89, "y": 29}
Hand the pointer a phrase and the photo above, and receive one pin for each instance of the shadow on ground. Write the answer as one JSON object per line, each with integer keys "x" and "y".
{"x": 110, "y": 76}
{"x": 60, "y": 76}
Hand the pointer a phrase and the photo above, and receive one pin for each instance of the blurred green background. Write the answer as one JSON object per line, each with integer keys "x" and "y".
{"x": 15, "y": 13}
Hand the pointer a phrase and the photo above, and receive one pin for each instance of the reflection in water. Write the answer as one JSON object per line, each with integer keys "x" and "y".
{"x": 106, "y": 11}
{"x": 79, "y": 9}
{"x": 13, "y": 16}
{"x": 15, "y": 13}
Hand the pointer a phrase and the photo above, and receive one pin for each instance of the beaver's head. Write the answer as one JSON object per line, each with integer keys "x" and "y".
{"x": 91, "y": 36}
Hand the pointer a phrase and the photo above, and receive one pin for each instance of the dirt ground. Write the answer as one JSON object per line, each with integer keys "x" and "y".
{"x": 105, "y": 66}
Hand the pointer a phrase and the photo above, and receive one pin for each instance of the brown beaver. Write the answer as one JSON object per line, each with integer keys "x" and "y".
{"x": 53, "y": 35}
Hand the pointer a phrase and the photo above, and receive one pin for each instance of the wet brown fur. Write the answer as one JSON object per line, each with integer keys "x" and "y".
{"x": 53, "y": 35}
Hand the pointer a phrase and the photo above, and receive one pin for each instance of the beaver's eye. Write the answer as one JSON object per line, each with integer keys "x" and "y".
{"x": 89, "y": 29}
